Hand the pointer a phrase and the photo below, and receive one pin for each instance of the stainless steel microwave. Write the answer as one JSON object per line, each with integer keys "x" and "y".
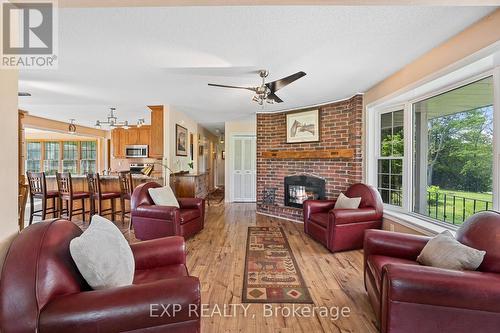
{"x": 136, "y": 151}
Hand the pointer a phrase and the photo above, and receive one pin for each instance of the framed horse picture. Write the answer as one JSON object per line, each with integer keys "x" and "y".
{"x": 302, "y": 126}
{"x": 181, "y": 140}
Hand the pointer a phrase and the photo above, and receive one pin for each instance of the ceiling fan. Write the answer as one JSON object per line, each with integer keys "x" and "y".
{"x": 267, "y": 91}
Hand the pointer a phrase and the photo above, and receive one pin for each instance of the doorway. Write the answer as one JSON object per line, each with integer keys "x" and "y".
{"x": 244, "y": 168}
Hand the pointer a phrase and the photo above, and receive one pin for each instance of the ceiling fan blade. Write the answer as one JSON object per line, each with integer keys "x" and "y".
{"x": 278, "y": 84}
{"x": 275, "y": 98}
{"x": 234, "y": 87}
{"x": 23, "y": 94}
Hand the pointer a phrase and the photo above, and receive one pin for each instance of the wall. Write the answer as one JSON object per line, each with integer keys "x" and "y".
{"x": 340, "y": 128}
{"x": 61, "y": 128}
{"x": 219, "y": 180}
{"x": 171, "y": 118}
{"x": 476, "y": 37}
{"x": 8, "y": 159}
{"x": 231, "y": 128}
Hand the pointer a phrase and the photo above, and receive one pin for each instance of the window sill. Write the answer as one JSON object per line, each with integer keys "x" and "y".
{"x": 418, "y": 224}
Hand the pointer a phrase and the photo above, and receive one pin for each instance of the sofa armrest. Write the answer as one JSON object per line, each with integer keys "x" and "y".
{"x": 441, "y": 287}
{"x": 159, "y": 252}
{"x": 127, "y": 308}
{"x": 157, "y": 212}
{"x": 393, "y": 244}
{"x": 346, "y": 216}
{"x": 316, "y": 206}
{"x": 191, "y": 203}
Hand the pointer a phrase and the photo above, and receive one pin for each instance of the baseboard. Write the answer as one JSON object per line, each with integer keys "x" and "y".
{"x": 280, "y": 217}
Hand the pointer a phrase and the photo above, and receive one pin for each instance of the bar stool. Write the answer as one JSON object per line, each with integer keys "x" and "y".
{"x": 96, "y": 193}
{"x": 126, "y": 189}
{"x": 38, "y": 190}
{"x": 68, "y": 196}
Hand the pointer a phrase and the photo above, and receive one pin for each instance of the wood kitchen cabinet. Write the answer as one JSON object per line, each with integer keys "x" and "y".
{"x": 156, "y": 133}
{"x": 151, "y": 135}
{"x": 118, "y": 142}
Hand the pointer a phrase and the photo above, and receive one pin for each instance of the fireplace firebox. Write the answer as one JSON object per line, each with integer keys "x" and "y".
{"x": 299, "y": 188}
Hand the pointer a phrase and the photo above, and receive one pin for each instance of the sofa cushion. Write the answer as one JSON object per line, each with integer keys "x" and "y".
{"x": 376, "y": 263}
{"x": 163, "y": 196}
{"x": 444, "y": 251}
{"x": 159, "y": 273}
{"x": 344, "y": 202}
{"x": 320, "y": 218}
{"x": 102, "y": 255}
{"x": 189, "y": 214}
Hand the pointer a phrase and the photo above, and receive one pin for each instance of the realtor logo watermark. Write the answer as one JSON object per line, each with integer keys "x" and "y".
{"x": 29, "y": 34}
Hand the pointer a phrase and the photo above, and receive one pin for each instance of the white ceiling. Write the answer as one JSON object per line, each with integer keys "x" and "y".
{"x": 133, "y": 57}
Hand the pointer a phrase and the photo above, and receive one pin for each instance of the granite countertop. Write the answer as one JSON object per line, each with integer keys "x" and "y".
{"x": 188, "y": 174}
{"x": 111, "y": 177}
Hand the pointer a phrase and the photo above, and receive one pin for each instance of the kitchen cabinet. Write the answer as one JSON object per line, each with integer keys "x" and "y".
{"x": 151, "y": 135}
{"x": 118, "y": 142}
{"x": 121, "y": 138}
{"x": 189, "y": 185}
{"x": 156, "y": 133}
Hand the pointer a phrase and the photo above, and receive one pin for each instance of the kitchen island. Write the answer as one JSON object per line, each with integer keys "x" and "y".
{"x": 109, "y": 183}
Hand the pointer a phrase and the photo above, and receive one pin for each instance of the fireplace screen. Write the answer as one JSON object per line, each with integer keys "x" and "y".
{"x": 301, "y": 188}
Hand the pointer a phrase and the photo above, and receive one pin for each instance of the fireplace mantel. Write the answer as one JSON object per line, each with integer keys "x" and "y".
{"x": 309, "y": 154}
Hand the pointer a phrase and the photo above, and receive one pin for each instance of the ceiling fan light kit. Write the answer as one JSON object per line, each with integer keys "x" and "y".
{"x": 266, "y": 92}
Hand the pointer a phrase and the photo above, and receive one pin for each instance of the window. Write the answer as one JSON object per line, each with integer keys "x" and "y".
{"x": 390, "y": 157}
{"x": 453, "y": 153}
{"x": 70, "y": 157}
{"x": 88, "y": 157}
{"x": 33, "y": 156}
{"x": 51, "y": 158}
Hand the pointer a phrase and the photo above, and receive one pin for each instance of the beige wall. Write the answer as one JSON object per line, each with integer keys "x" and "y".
{"x": 8, "y": 159}
{"x": 476, "y": 37}
{"x": 249, "y": 127}
{"x": 172, "y": 117}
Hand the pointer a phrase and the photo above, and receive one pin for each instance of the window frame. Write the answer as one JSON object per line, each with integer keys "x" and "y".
{"x": 372, "y": 117}
{"x": 378, "y": 156}
{"x": 61, "y": 153}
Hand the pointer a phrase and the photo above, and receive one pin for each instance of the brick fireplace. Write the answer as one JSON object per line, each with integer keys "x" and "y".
{"x": 340, "y": 128}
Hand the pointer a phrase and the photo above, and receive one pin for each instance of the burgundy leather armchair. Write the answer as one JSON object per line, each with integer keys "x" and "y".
{"x": 343, "y": 229}
{"x": 41, "y": 289}
{"x": 150, "y": 221}
{"x": 408, "y": 297}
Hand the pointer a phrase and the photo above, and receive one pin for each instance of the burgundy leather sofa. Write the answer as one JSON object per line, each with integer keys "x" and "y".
{"x": 41, "y": 289}
{"x": 408, "y": 297}
{"x": 343, "y": 229}
{"x": 150, "y": 221}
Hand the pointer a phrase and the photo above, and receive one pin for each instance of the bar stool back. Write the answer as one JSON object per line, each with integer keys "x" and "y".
{"x": 68, "y": 196}
{"x": 38, "y": 190}
{"x": 96, "y": 193}
{"x": 126, "y": 189}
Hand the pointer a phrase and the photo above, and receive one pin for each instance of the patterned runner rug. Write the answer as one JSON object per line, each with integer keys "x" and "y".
{"x": 271, "y": 272}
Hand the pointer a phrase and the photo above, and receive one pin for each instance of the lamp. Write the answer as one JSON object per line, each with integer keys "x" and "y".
{"x": 113, "y": 122}
{"x": 72, "y": 127}
{"x": 149, "y": 169}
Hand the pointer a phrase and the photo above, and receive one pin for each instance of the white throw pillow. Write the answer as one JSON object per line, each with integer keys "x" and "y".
{"x": 344, "y": 202}
{"x": 163, "y": 196}
{"x": 103, "y": 255}
{"x": 444, "y": 251}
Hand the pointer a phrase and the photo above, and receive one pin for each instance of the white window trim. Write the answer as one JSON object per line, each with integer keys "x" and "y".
{"x": 404, "y": 214}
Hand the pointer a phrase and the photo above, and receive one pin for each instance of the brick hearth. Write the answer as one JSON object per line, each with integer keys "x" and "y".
{"x": 341, "y": 126}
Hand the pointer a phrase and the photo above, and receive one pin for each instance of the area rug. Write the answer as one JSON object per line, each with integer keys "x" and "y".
{"x": 271, "y": 272}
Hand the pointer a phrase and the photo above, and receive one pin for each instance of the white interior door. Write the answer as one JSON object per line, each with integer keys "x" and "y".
{"x": 244, "y": 168}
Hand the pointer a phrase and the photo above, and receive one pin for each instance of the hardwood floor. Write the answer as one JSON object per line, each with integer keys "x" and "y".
{"x": 216, "y": 255}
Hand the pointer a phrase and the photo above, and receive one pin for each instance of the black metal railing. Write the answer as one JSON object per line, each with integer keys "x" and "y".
{"x": 455, "y": 209}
